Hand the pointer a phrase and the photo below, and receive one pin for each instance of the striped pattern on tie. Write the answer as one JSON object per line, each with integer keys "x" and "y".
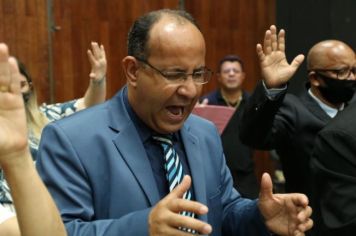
{"x": 174, "y": 169}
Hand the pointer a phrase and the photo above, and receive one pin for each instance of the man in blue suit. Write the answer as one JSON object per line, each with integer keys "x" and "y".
{"x": 106, "y": 170}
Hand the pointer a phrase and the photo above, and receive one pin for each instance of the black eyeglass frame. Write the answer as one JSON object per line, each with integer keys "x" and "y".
{"x": 338, "y": 71}
{"x": 176, "y": 77}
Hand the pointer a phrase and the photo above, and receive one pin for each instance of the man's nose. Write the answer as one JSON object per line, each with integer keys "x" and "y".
{"x": 189, "y": 88}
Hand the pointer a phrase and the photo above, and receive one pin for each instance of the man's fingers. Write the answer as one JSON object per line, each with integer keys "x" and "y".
{"x": 304, "y": 214}
{"x": 14, "y": 68}
{"x": 299, "y": 199}
{"x": 181, "y": 188}
{"x": 274, "y": 42}
{"x": 299, "y": 213}
{"x": 102, "y": 51}
{"x": 297, "y": 61}
{"x": 267, "y": 48}
{"x": 298, "y": 233}
{"x": 95, "y": 48}
{"x": 5, "y": 74}
{"x": 260, "y": 53}
{"x": 306, "y": 225}
{"x": 281, "y": 41}
{"x": 91, "y": 57}
{"x": 181, "y": 221}
{"x": 180, "y": 205}
{"x": 266, "y": 190}
{"x": 4, "y": 52}
{"x": 15, "y": 76}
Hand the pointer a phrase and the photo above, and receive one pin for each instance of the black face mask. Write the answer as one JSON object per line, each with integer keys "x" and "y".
{"x": 337, "y": 91}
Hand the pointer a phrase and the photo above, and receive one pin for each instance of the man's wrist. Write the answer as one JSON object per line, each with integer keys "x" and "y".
{"x": 98, "y": 81}
{"x": 274, "y": 93}
{"x": 16, "y": 161}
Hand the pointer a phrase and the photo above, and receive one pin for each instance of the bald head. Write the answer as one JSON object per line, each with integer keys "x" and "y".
{"x": 140, "y": 31}
{"x": 165, "y": 48}
{"x": 330, "y": 54}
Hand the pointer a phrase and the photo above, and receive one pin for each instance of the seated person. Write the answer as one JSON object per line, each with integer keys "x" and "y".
{"x": 39, "y": 116}
{"x": 37, "y": 214}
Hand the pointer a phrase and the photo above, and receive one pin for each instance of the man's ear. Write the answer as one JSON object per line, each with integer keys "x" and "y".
{"x": 130, "y": 67}
{"x": 313, "y": 79}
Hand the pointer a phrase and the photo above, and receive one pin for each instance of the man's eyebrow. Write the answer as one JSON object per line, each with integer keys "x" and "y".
{"x": 199, "y": 68}
{"x": 177, "y": 69}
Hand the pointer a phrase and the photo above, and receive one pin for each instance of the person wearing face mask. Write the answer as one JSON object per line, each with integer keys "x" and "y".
{"x": 39, "y": 116}
{"x": 275, "y": 119}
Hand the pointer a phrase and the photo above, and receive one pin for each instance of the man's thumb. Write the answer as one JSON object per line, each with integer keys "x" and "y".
{"x": 266, "y": 190}
{"x": 297, "y": 61}
{"x": 182, "y": 187}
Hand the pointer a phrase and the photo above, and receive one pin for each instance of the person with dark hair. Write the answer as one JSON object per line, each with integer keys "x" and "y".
{"x": 274, "y": 119}
{"x": 37, "y": 214}
{"x": 38, "y": 116}
{"x": 239, "y": 157}
{"x": 230, "y": 75}
{"x": 145, "y": 165}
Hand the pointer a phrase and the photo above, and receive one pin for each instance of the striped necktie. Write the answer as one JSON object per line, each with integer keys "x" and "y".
{"x": 174, "y": 169}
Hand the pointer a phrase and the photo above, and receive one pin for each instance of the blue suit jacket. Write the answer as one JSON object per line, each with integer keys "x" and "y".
{"x": 97, "y": 171}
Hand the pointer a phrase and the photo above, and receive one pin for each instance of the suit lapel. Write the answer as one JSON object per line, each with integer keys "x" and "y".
{"x": 314, "y": 107}
{"x": 131, "y": 149}
{"x": 195, "y": 161}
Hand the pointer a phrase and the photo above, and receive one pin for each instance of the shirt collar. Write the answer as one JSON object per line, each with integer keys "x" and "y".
{"x": 143, "y": 130}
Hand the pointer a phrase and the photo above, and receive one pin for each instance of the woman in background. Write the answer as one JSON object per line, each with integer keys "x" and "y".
{"x": 37, "y": 214}
{"x": 38, "y": 116}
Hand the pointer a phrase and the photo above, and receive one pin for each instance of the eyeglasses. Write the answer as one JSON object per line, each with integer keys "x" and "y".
{"x": 226, "y": 71}
{"x": 341, "y": 74}
{"x": 201, "y": 76}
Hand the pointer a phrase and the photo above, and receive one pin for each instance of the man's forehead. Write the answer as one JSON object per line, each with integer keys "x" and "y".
{"x": 332, "y": 54}
{"x": 168, "y": 34}
{"x": 169, "y": 25}
{"x": 231, "y": 64}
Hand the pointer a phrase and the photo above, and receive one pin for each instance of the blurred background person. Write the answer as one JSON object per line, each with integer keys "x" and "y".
{"x": 38, "y": 116}
{"x": 275, "y": 119}
{"x": 37, "y": 214}
{"x": 230, "y": 77}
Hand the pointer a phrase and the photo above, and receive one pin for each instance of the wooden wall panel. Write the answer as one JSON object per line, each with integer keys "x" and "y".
{"x": 235, "y": 27}
{"x": 81, "y": 22}
{"x": 229, "y": 26}
{"x": 23, "y": 26}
